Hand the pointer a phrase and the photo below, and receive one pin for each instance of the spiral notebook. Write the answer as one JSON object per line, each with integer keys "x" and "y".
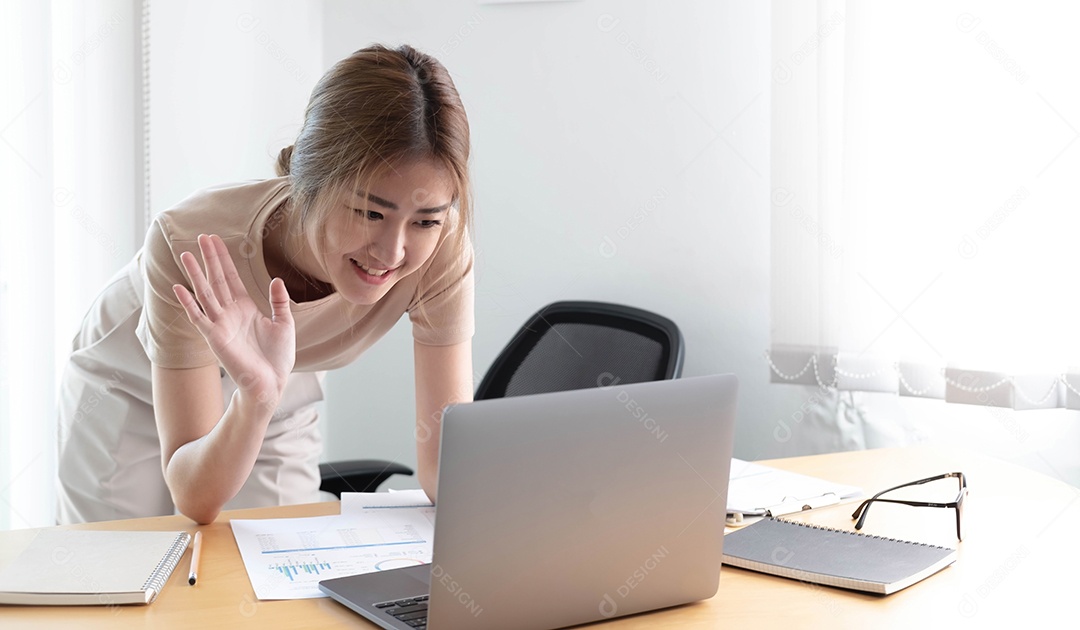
{"x": 80, "y": 568}
{"x": 833, "y": 557}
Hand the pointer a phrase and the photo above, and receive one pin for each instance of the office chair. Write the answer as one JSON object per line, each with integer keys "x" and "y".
{"x": 564, "y": 346}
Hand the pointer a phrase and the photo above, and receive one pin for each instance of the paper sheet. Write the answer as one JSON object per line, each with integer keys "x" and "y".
{"x": 286, "y": 558}
{"x": 754, "y": 488}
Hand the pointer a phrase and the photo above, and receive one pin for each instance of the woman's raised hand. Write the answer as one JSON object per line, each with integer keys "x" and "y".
{"x": 258, "y": 352}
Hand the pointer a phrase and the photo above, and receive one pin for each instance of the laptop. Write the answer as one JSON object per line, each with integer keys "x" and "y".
{"x": 565, "y": 508}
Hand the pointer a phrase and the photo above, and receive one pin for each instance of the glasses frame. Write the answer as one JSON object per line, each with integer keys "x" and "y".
{"x": 864, "y": 507}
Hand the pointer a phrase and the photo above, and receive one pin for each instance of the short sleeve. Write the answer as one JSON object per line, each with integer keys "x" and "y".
{"x": 168, "y": 337}
{"x": 442, "y": 309}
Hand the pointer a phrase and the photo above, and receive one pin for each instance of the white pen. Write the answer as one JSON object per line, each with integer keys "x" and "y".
{"x": 791, "y": 506}
{"x": 196, "y": 552}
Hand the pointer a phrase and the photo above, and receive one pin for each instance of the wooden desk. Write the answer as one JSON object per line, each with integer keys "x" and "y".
{"x": 1016, "y": 563}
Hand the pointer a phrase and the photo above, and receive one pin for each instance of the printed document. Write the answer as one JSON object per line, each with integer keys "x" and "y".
{"x": 286, "y": 558}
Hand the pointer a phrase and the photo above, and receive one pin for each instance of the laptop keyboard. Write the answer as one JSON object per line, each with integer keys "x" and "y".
{"x": 412, "y": 611}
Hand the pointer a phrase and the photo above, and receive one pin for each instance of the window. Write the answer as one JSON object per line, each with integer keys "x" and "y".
{"x": 923, "y": 201}
{"x": 72, "y": 183}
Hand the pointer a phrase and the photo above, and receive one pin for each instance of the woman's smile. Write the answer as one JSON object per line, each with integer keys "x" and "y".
{"x": 373, "y": 275}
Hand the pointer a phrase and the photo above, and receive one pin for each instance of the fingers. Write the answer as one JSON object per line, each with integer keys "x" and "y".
{"x": 228, "y": 268}
{"x": 279, "y": 302}
{"x": 204, "y": 293}
{"x": 220, "y": 285}
{"x": 214, "y": 288}
{"x": 191, "y": 307}
{"x": 215, "y": 256}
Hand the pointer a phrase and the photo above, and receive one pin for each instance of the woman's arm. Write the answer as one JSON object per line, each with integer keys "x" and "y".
{"x": 207, "y": 455}
{"x": 443, "y": 376}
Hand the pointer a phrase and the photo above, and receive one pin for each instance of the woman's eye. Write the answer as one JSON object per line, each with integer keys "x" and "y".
{"x": 368, "y": 214}
{"x": 429, "y": 223}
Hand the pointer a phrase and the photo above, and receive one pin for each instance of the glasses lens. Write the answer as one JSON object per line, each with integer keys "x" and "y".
{"x": 939, "y": 491}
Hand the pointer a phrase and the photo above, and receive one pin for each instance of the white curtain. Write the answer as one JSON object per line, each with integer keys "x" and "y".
{"x": 924, "y": 201}
{"x": 72, "y": 190}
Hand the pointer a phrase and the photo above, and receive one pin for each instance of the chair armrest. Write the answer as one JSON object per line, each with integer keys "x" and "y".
{"x": 358, "y": 475}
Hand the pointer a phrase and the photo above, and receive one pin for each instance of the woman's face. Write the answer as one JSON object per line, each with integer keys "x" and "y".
{"x": 377, "y": 237}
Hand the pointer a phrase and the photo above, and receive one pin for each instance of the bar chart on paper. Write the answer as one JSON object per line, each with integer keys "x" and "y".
{"x": 308, "y": 568}
{"x": 286, "y": 558}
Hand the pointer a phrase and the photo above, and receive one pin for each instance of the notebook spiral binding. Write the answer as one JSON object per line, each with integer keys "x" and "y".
{"x": 165, "y": 567}
{"x": 850, "y": 533}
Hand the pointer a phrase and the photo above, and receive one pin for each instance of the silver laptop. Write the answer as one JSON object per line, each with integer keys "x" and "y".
{"x": 564, "y": 508}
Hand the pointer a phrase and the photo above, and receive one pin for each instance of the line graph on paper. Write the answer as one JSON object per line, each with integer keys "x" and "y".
{"x": 326, "y": 539}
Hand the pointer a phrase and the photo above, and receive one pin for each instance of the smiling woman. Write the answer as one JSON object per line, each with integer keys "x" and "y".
{"x": 368, "y": 237}
{"x": 243, "y": 295}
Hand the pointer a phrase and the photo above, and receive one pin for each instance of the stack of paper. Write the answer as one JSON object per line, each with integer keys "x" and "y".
{"x": 756, "y": 490}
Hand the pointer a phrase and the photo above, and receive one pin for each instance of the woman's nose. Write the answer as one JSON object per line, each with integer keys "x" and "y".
{"x": 389, "y": 246}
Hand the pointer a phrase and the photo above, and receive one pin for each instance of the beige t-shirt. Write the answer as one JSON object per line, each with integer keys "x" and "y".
{"x": 330, "y": 332}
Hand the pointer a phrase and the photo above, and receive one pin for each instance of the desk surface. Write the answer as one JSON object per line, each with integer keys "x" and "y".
{"x": 1016, "y": 562}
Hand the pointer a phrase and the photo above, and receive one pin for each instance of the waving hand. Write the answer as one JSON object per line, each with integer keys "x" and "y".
{"x": 258, "y": 352}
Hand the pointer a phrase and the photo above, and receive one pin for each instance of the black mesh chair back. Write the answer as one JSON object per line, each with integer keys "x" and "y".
{"x": 578, "y": 345}
{"x": 566, "y": 345}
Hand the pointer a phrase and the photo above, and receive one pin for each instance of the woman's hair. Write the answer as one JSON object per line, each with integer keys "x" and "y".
{"x": 374, "y": 110}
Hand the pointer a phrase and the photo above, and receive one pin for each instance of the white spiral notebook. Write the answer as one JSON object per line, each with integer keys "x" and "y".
{"x": 67, "y": 567}
{"x": 833, "y": 557}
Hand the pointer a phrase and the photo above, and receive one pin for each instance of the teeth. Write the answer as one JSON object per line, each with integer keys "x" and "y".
{"x": 371, "y": 272}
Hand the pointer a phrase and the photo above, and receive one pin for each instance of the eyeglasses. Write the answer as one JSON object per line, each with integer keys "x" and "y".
{"x": 957, "y": 505}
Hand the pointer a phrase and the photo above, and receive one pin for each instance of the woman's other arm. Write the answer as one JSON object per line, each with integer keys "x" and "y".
{"x": 443, "y": 376}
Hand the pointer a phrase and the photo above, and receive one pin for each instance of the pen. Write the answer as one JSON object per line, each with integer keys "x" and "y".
{"x": 196, "y": 552}
{"x": 791, "y": 506}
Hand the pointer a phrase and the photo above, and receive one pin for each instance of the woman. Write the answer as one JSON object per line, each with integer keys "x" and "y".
{"x": 191, "y": 386}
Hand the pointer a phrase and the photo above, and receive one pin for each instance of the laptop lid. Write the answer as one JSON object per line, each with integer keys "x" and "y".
{"x": 563, "y": 508}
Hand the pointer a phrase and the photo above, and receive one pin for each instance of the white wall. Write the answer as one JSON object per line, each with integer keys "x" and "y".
{"x": 229, "y": 83}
